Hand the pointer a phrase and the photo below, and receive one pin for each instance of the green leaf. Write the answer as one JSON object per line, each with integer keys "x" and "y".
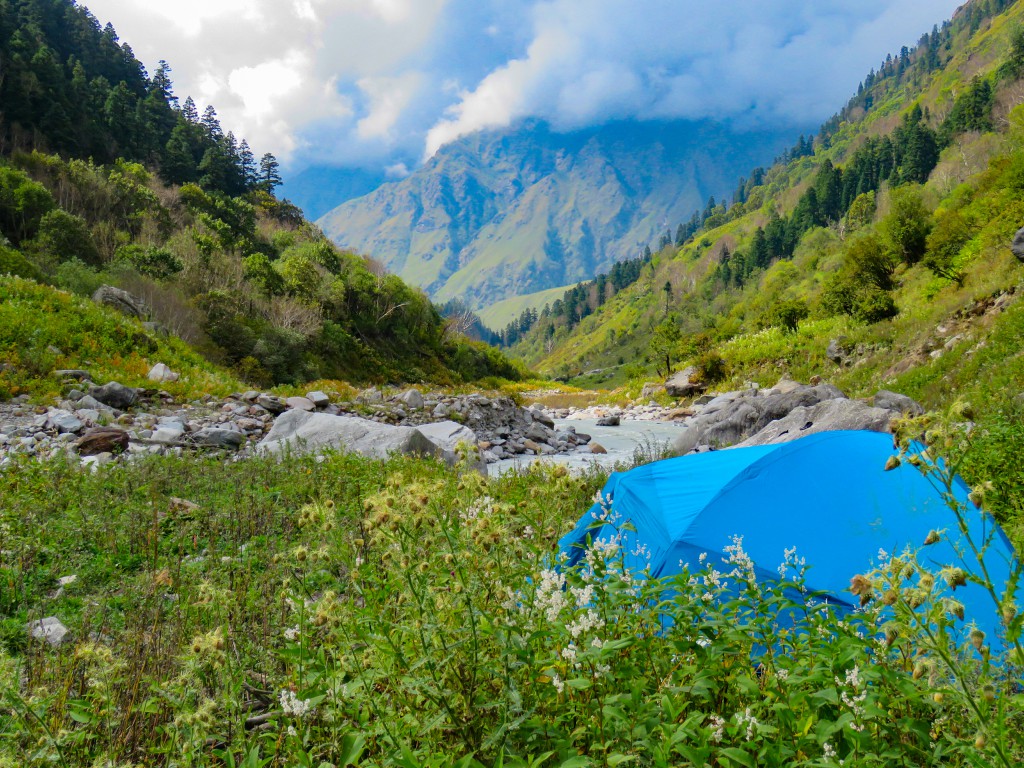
{"x": 352, "y": 748}
{"x": 739, "y": 756}
{"x": 617, "y": 759}
{"x": 580, "y": 683}
{"x": 579, "y": 761}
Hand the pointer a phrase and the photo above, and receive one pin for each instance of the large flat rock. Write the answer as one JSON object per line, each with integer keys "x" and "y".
{"x": 826, "y": 416}
{"x": 449, "y": 435}
{"x": 305, "y": 432}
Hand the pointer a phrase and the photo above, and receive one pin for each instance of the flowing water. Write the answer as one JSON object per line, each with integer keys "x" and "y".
{"x": 622, "y": 442}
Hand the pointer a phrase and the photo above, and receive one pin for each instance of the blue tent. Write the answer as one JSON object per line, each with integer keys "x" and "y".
{"x": 826, "y": 494}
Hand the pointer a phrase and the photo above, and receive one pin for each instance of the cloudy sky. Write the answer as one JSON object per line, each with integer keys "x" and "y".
{"x": 386, "y": 82}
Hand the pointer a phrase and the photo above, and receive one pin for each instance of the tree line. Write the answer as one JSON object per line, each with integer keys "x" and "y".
{"x": 71, "y": 87}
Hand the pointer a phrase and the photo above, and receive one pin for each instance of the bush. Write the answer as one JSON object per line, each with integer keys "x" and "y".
{"x": 905, "y": 228}
{"x": 64, "y": 236}
{"x": 710, "y": 368}
{"x": 875, "y": 306}
{"x": 14, "y": 263}
{"x": 151, "y": 261}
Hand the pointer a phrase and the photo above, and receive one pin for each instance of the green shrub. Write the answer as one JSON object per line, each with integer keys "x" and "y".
{"x": 151, "y": 261}
{"x": 63, "y": 236}
{"x": 14, "y": 263}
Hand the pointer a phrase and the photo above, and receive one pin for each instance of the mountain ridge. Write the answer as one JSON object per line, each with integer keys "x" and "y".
{"x": 504, "y": 213}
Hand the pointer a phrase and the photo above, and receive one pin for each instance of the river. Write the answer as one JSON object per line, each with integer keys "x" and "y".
{"x": 621, "y": 442}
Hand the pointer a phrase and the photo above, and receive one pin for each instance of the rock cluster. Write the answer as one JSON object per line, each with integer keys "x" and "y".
{"x": 112, "y": 422}
{"x": 786, "y": 412}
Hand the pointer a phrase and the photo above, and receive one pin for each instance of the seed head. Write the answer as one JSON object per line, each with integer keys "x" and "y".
{"x": 980, "y": 741}
{"x": 977, "y": 638}
{"x": 932, "y": 538}
{"x": 892, "y": 463}
{"x": 938, "y": 697}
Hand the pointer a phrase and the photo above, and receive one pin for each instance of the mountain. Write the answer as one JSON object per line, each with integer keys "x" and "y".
{"x": 884, "y": 249}
{"x": 318, "y": 189}
{"x": 504, "y": 213}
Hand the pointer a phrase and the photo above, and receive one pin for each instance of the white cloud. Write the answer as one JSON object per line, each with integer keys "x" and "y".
{"x": 380, "y": 81}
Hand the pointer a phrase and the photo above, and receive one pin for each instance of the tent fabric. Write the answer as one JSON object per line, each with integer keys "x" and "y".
{"x": 828, "y": 495}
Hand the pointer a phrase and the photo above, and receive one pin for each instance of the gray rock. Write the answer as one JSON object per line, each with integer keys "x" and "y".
{"x": 448, "y": 435}
{"x": 64, "y": 421}
{"x": 88, "y": 415}
{"x": 167, "y": 435}
{"x": 371, "y": 395}
{"x": 1017, "y": 247}
{"x": 735, "y": 416}
{"x": 122, "y": 301}
{"x": 609, "y": 421}
{"x": 88, "y": 402}
{"x": 304, "y": 432}
{"x": 837, "y": 351}
{"x": 213, "y": 437}
{"x": 300, "y": 404}
{"x": 161, "y": 372}
{"x": 272, "y": 403}
{"x": 115, "y": 395}
{"x": 539, "y": 432}
{"x": 49, "y": 629}
{"x": 318, "y": 399}
{"x": 826, "y": 416}
{"x": 893, "y": 401}
{"x": 440, "y": 411}
{"x": 683, "y": 384}
{"x": 650, "y": 389}
{"x": 412, "y": 399}
{"x": 72, "y": 373}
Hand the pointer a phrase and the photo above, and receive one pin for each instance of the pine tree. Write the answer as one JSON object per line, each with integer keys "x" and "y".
{"x": 269, "y": 177}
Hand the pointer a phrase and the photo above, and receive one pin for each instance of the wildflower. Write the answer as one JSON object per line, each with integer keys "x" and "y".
{"x": 977, "y": 638}
{"x": 557, "y": 682}
{"x": 550, "y": 599}
{"x": 717, "y": 728}
{"x": 569, "y": 653}
{"x": 293, "y": 705}
{"x": 291, "y": 633}
{"x": 828, "y": 751}
{"x": 749, "y": 721}
{"x": 955, "y": 577}
{"x": 588, "y": 621}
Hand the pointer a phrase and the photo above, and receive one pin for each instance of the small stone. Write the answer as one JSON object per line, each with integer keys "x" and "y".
{"x": 300, "y": 404}
{"x": 64, "y": 421}
{"x": 272, "y": 403}
{"x": 49, "y": 629}
{"x": 412, "y": 398}
{"x": 160, "y": 372}
{"x": 211, "y": 437}
{"x": 318, "y": 399}
{"x": 597, "y": 448}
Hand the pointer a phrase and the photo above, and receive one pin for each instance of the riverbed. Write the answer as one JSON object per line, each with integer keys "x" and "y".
{"x": 622, "y": 443}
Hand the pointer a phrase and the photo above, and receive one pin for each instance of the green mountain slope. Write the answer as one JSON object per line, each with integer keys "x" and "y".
{"x": 106, "y": 178}
{"x": 507, "y": 213}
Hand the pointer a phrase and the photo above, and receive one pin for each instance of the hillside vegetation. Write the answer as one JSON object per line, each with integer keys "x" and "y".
{"x": 112, "y": 181}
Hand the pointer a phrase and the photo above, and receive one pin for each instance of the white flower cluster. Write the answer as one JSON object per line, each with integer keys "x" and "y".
{"x": 582, "y": 595}
{"x": 550, "y": 594}
{"x": 291, "y": 633}
{"x": 483, "y": 507}
{"x": 790, "y": 560}
{"x": 293, "y": 705}
{"x": 557, "y": 682}
{"x": 747, "y": 719}
{"x": 605, "y": 503}
{"x": 853, "y": 700}
{"x": 585, "y": 623}
{"x": 743, "y": 565}
{"x": 717, "y": 728}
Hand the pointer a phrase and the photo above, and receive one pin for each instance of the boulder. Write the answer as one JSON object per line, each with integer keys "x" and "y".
{"x": 272, "y": 403}
{"x": 540, "y": 417}
{"x": 784, "y": 386}
{"x": 63, "y": 421}
{"x": 102, "y": 440}
{"x": 122, "y": 301}
{"x": 305, "y": 432}
{"x": 371, "y": 395}
{"x": 609, "y": 421}
{"x": 826, "y": 416}
{"x": 167, "y": 435}
{"x": 539, "y": 432}
{"x": 597, "y": 448}
{"x": 318, "y": 398}
{"x": 1017, "y": 247}
{"x": 213, "y": 437}
{"x": 115, "y": 395}
{"x": 893, "y": 401}
{"x": 448, "y": 436}
{"x": 837, "y": 351}
{"x": 161, "y": 372}
{"x": 300, "y": 404}
{"x": 735, "y": 416}
{"x": 684, "y": 383}
{"x": 72, "y": 373}
{"x": 412, "y": 399}
{"x": 49, "y": 629}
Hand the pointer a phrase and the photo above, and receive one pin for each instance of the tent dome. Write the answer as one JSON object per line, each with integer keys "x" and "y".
{"x": 828, "y": 495}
